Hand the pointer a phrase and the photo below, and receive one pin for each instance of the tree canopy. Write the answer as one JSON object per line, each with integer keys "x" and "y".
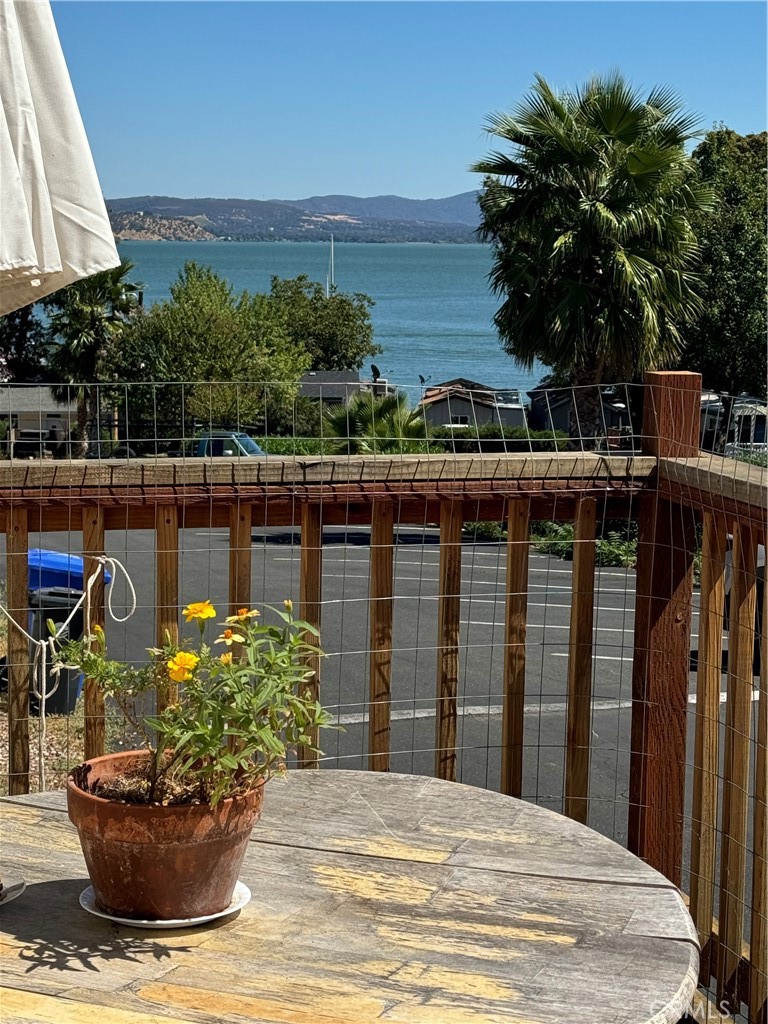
{"x": 232, "y": 352}
{"x": 87, "y": 320}
{"x": 335, "y": 329}
{"x": 24, "y": 347}
{"x": 727, "y": 343}
{"x": 589, "y": 213}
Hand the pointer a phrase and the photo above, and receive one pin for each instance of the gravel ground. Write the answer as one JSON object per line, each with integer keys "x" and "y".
{"x": 62, "y": 749}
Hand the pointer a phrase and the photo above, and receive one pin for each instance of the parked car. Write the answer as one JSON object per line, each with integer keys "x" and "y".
{"x": 226, "y": 443}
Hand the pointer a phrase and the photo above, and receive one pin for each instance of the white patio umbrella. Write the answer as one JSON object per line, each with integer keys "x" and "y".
{"x": 54, "y": 227}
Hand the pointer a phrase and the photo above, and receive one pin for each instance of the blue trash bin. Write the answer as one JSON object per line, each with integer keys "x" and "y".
{"x": 55, "y": 587}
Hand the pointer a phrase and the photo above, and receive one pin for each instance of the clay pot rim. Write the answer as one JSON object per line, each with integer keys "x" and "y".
{"x": 155, "y": 807}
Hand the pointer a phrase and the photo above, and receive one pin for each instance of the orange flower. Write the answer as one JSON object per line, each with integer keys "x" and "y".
{"x": 229, "y": 637}
{"x": 226, "y": 659}
{"x": 242, "y": 615}
{"x": 181, "y": 665}
{"x": 199, "y": 611}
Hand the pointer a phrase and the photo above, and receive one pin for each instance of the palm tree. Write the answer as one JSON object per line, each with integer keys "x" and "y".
{"x": 589, "y": 217}
{"x": 369, "y": 425}
{"x": 86, "y": 319}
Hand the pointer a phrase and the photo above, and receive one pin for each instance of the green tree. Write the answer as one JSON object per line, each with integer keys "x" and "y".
{"x": 86, "y": 322}
{"x": 211, "y": 355}
{"x": 727, "y": 343}
{"x": 589, "y": 216}
{"x": 335, "y": 329}
{"x": 369, "y": 425}
{"x": 24, "y": 347}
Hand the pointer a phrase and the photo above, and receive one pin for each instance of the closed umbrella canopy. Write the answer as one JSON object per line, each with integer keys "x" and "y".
{"x": 54, "y": 227}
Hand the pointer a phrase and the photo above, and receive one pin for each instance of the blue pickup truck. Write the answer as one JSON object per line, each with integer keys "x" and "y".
{"x": 211, "y": 444}
{"x": 225, "y": 442}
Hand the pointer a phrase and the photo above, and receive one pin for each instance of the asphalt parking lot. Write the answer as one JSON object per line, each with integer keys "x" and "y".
{"x": 275, "y": 576}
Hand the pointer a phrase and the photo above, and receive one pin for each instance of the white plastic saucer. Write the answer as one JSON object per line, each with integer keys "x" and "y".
{"x": 13, "y": 886}
{"x": 240, "y": 897}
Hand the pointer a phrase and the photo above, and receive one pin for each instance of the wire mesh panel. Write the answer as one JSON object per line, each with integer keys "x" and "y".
{"x": 571, "y": 619}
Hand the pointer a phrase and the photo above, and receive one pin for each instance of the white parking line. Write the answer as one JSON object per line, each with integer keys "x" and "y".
{"x": 485, "y": 711}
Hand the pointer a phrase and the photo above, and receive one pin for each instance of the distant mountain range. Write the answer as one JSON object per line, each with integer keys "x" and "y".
{"x": 348, "y": 218}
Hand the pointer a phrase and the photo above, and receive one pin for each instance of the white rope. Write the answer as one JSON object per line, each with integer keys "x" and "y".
{"x": 46, "y": 646}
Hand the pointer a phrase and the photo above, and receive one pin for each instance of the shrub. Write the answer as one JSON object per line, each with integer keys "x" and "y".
{"x": 493, "y": 438}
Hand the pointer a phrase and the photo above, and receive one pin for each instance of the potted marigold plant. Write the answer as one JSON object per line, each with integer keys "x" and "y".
{"x": 164, "y": 828}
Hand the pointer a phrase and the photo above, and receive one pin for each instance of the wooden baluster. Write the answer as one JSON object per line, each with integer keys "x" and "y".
{"x": 513, "y": 714}
{"x": 448, "y": 617}
{"x": 167, "y": 544}
{"x": 758, "y": 982}
{"x": 16, "y": 546}
{"x": 738, "y": 715}
{"x": 310, "y": 605}
{"x": 381, "y": 601}
{"x": 706, "y": 749}
{"x": 239, "y": 556}
{"x": 93, "y": 546}
{"x": 579, "y": 718}
{"x": 664, "y": 581}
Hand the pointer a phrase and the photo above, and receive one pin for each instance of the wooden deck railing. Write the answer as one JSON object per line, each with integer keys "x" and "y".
{"x": 697, "y": 815}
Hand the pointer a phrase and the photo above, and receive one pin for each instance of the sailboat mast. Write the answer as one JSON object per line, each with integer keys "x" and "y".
{"x": 329, "y": 281}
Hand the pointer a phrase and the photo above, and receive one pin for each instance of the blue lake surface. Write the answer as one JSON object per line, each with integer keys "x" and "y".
{"x": 434, "y": 309}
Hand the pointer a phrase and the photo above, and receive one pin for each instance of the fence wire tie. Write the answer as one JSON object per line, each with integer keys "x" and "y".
{"x": 45, "y": 647}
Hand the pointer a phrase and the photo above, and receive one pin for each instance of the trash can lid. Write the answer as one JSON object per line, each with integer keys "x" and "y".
{"x": 56, "y": 568}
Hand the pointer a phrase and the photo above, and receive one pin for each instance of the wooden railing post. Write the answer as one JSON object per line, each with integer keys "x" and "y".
{"x": 448, "y": 618}
{"x": 239, "y": 556}
{"x": 16, "y": 546}
{"x": 513, "y": 715}
{"x": 381, "y": 607}
{"x": 706, "y": 757}
{"x": 167, "y": 546}
{"x": 310, "y": 604}
{"x": 579, "y": 719}
{"x": 758, "y": 982}
{"x": 665, "y": 550}
{"x": 93, "y": 545}
{"x": 738, "y": 720}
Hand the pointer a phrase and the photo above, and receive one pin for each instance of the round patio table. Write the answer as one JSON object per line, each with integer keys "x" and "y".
{"x": 376, "y": 898}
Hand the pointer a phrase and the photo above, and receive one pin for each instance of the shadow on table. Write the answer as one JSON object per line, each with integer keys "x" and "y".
{"x": 54, "y": 931}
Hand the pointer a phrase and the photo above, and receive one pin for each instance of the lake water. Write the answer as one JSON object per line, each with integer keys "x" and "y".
{"x": 433, "y": 312}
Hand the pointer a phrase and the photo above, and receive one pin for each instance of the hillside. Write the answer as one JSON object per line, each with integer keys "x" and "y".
{"x": 348, "y": 218}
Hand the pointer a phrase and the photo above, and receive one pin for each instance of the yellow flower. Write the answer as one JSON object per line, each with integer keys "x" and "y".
{"x": 229, "y": 637}
{"x": 226, "y": 659}
{"x": 288, "y": 604}
{"x": 199, "y": 611}
{"x": 242, "y": 615}
{"x": 180, "y": 666}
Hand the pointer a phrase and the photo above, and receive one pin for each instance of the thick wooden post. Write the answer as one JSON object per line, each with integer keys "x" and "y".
{"x": 705, "y": 755}
{"x": 513, "y": 715}
{"x": 738, "y": 720}
{"x": 448, "y": 617}
{"x": 93, "y": 545}
{"x": 381, "y": 602}
{"x": 310, "y": 604}
{"x": 16, "y": 546}
{"x": 239, "y": 557}
{"x": 579, "y": 720}
{"x": 167, "y": 545}
{"x": 665, "y": 550}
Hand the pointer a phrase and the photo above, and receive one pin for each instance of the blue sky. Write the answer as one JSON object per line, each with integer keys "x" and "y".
{"x": 286, "y": 100}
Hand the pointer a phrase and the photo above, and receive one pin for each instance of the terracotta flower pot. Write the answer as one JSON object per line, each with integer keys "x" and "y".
{"x": 160, "y": 863}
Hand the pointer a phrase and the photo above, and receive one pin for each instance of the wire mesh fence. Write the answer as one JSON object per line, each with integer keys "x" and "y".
{"x": 564, "y": 603}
